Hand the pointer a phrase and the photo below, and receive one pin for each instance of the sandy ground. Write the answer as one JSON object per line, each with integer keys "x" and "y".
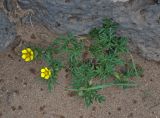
{"x": 23, "y": 95}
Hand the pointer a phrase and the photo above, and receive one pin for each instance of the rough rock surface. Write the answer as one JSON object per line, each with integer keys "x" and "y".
{"x": 139, "y": 19}
{"x": 7, "y": 31}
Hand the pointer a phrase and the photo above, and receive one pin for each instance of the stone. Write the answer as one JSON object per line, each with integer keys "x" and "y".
{"x": 120, "y": 0}
{"x": 157, "y": 1}
{"x": 139, "y": 19}
{"x": 10, "y": 5}
{"x": 7, "y": 31}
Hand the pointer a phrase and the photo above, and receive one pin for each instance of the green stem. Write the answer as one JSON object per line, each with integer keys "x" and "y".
{"x": 102, "y": 86}
{"x": 134, "y": 65}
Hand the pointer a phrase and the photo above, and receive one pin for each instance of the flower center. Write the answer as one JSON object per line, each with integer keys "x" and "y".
{"x": 28, "y": 54}
{"x": 46, "y": 73}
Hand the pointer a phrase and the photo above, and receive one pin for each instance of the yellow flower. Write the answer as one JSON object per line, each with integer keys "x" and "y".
{"x": 27, "y": 54}
{"x": 45, "y": 73}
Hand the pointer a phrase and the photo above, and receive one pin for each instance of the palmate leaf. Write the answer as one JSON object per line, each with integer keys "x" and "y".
{"x": 90, "y": 96}
{"x": 82, "y": 75}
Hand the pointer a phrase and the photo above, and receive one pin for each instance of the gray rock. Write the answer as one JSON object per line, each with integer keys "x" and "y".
{"x": 77, "y": 16}
{"x": 157, "y": 1}
{"x": 139, "y": 19}
{"x": 9, "y": 5}
{"x": 7, "y": 31}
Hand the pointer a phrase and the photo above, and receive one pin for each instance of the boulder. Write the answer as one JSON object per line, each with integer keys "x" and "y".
{"x": 139, "y": 19}
{"x": 7, "y": 31}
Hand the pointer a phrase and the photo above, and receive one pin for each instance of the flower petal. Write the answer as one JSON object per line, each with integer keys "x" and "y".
{"x": 31, "y": 57}
{"x": 42, "y": 75}
{"x": 46, "y": 68}
{"x": 27, "y": 59}
{"x": 31, "y": 52}
{"x": 24, "y": 56}
{"x": 42, "y": 70}
{"x": 24, "y": 51}
{"x": 46, "y": 77}
{"x": 29, "y": 49}
{"x": 49, "y": 73}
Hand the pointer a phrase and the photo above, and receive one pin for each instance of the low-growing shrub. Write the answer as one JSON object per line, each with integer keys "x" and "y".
{"x": 95, "y": 62}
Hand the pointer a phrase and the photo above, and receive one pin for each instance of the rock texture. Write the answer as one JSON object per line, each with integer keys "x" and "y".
{"x": 120, "y": 0}
{"x": 9, "y": 5}
{"x": 139, "y": 19}
{"x": 7, "y": 31}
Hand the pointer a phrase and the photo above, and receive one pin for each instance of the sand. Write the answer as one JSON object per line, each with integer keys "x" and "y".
{"x": 24, "y": 95}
